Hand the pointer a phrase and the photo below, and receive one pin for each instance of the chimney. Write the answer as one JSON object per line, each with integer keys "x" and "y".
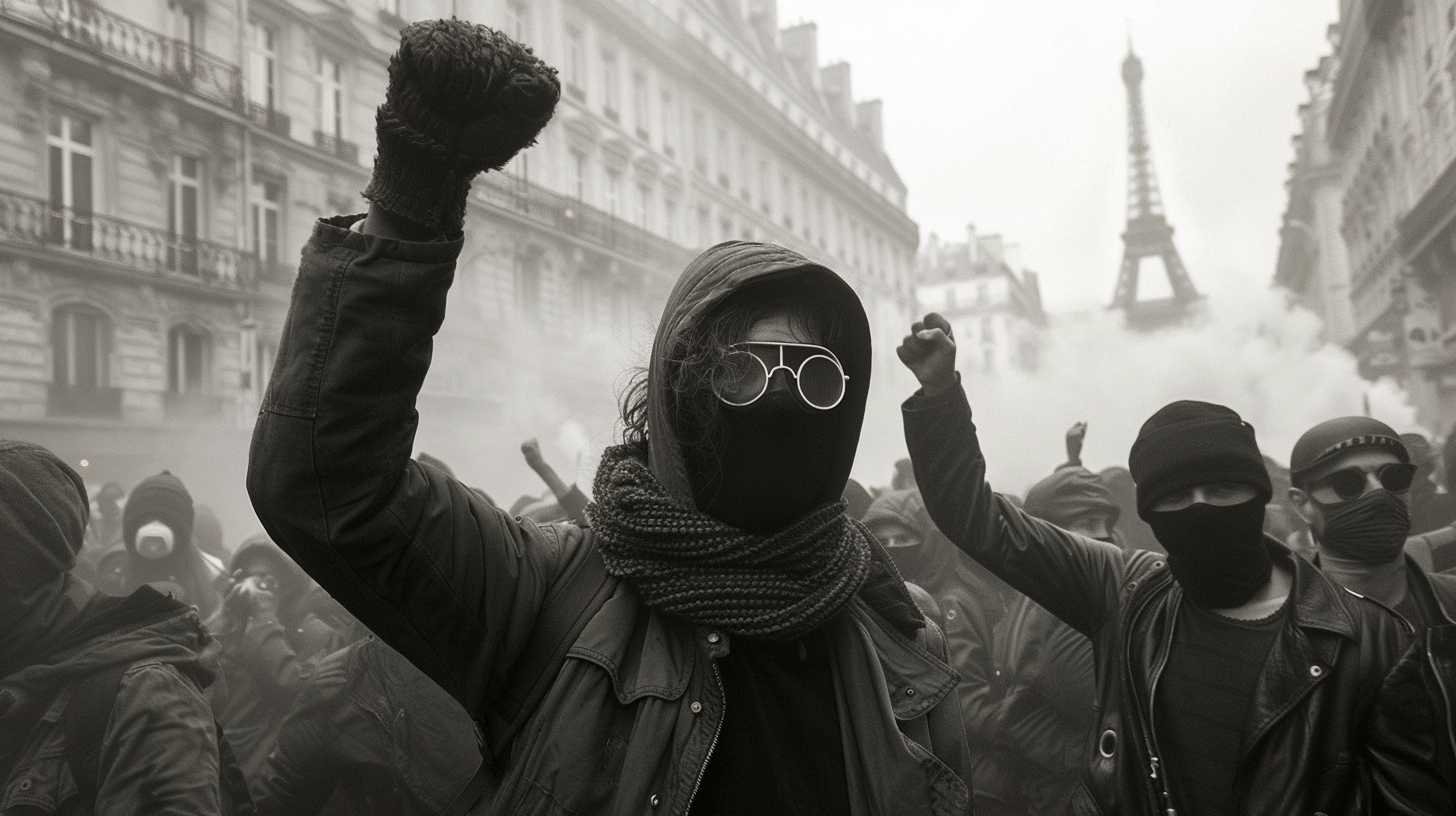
{"x": 801, "y": 47}
{"x": 869, "y": 120}
{"x": 763, "y": 15}
{"x": 835, "y": 81}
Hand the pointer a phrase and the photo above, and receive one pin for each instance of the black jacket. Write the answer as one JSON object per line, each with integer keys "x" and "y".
{"x": 1316, "y": 741}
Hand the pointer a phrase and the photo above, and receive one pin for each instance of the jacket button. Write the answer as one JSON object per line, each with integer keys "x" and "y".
{"x": 25, "y": 784}
{"x": 1157, "y": 565}
{"x": 696, "y": 707}
{"x": 909, "y": 692}
{"x": 1316, "y": 671}
{"x": 714, "y": 638}
{"x": 654, "y": 800}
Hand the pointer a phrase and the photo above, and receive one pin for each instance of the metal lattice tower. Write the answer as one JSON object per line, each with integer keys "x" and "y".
{"x": 1148, "y": 234}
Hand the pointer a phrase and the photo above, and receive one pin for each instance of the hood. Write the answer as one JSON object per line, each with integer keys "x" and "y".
{"x": 43, "y": 515}
{"x": 293, "y": 582}
{"x": 706, "y": 283}
{"x": 1071, "y": 493}
{"x": 935, "y": 564}
{"x": 109, "y": 633}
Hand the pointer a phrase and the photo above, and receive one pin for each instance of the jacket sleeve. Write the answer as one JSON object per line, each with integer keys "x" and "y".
{"x": 274, "y": 664}
{"x": 1075, "y": 578}
{"x": 159, "y": 754}
{"x": 308, "y": 758}
{"x": 428, "y": 564}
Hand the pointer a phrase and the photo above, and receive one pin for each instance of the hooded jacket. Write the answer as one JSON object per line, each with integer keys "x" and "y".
{"x": 186, "y": 571}
{"x": 159, "y": 749}
{"x": 1317, "y": 739}
{"x": 628, "y": 724}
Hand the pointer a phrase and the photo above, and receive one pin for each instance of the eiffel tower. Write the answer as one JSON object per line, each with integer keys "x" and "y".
{"x": 1148, "y": 233}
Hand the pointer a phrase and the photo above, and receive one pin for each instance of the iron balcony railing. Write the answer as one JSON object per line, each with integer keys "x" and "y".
{"x": 574, "y": 218}
{"x": 270, "y": 119}
{"x": 336, "y": 146}
{"x": 34, "y": 223}
{"x": 175, "y": 62}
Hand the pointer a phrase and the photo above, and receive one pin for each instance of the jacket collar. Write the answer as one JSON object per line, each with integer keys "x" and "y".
{"x": 1317, "y": 602}
{"x": 1440, "y": 587}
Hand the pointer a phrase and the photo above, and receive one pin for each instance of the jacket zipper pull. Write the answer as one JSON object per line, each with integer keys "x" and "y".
{"x": 1153, "y": 763}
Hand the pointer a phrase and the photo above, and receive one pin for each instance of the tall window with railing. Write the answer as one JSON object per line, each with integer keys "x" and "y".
{"x": 330, "y": 76}
{"x": 611, "y": 86}
{"x": 182, "y": 20}
{"x": 614, "y": 192}
{"x": 267, "y": 207}
{"x": 575, "y": 63}
{"x": 182, "y": 215}
{"x": 641, "y": 112}
{"x": 578, "y": 168}
{"x": 80, "y": 363}
{"x": 70, "y": 155}
{"x": 263, "y": 66}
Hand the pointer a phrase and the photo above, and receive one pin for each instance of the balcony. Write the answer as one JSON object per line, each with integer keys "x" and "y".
{"x": 274, "y": 121}
{"x": 98, "y": 31}
{"x": 192, "y": 405}
{"x": 89, "y": 238}
{"x": 90, "y": 402}
{"x": 336, "y": 146}
{"x": 568, "y": 216}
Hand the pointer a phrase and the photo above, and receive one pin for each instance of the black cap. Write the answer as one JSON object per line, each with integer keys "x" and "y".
{"x": 1188, "y": 443}
{"x": 1333, "y": 437}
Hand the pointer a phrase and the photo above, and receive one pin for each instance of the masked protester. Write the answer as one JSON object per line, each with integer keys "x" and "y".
{"x": 1353, "y": 482}
{"x": 1231, "y": 676}
{"x": 369, "y": 735}
{"x": 722, "y": 638}
{"x": 1032, "y": 761}
{"x": 157, "y": 526}
{"x": 258, "y": 628}
{"x": 101, "y": 699}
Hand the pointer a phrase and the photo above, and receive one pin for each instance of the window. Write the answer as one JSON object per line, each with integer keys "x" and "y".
{"x": 614, "y": 191}
{"x": 331, "y": 97}
{"x": 182, "y": 24}
{"x": 518, "y": 21}
{"x": 669, "y": 218}
{"x": 611, "y": 90}
{"x": 804, "y": 211}
{"x": 265, "y": 351}
{"x": 528, "y": 282}
{"x": 724, "y": 154}
{"x": 262, "y": 65}
{"x": 182, "y": 216}
{"x": 640, "y": 111}
{"x": 575, "y": 59}
{"x": 394, "y": 7}
{"x": 700, "y": 142}
{"x": 669, "y": 132}
{"x": 786, "y": 199}
{"x": 765, "y": 188}
{"x": 705, "y": 236}
{"x": 644, "y": 206}
{"x": 578, "y": 174}
{"x": 80, "y": 347}
{"x": 741, "y": 170}
{"x": 188, "y": 350}
{"x": 70, "y": 155}
{"x": 267, "y": 204}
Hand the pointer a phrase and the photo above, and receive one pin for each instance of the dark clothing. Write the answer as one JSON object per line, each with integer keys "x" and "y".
{"x": 1203, "y": 705}
{"x": 159, "y": 747}
{"x": 1316, "y": 744}
{"x": 784, "y": 733}
{"x": 370, "y": 735}
{"x": 263, "y": 674}
{"x": 458, "y": 587}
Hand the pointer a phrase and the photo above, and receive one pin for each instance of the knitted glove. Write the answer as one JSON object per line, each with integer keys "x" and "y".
{"x": 462, "y": 99}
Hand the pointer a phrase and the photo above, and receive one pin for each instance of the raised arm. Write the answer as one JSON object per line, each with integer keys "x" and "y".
{"x": 1075, "y": 578}
{"x": 573, "y": 502}
{"x": 418, "y": 557}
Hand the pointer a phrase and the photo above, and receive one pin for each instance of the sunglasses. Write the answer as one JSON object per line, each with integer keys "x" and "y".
{"x": 743, "y": 375}
{"x": 1350, "y": 483}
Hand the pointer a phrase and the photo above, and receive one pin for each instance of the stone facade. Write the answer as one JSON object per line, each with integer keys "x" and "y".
{"x": 994, "y": 309}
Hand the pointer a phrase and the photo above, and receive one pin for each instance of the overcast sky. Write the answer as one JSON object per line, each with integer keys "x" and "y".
{"x": 1012, "y": 116}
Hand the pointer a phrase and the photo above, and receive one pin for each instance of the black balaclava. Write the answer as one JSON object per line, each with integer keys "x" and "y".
{"x": 1218, "y": 554}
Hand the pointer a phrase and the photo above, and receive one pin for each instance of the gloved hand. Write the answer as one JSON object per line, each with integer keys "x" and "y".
{"x": 462, "y": 99}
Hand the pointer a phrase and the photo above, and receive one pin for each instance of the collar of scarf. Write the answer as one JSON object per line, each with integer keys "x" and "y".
{"x": 686, "y": 563}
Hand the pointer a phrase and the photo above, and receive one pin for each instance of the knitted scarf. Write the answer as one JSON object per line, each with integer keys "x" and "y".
{"x": 686, "y": 563}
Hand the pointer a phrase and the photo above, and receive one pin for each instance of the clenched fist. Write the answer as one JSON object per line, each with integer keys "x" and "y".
{"x": 929, "y": 352}
{"x": 462, "y": 99}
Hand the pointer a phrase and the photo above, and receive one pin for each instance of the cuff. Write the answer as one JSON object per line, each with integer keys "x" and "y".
{"x": 340, "y": 231}
{"x": 920, "y": 402}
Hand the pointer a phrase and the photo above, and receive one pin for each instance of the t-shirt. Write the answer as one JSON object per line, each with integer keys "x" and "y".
{"x": 779, "y": 751}
{"x": 1203, "y": 703}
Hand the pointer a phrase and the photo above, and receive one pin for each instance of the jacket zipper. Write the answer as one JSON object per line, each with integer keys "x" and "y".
{"x": 1148, "y": 723}
{"x": 1445, "y": 693}
{"x": 717, "y": 731}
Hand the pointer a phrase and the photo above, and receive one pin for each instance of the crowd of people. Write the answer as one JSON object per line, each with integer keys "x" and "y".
{"x": 729, "y": 624}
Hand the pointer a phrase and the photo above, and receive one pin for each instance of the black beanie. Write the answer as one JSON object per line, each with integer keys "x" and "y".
{"x": 1189, "y": 443}
{"x": 1333, "y": 437}
{"x": 158, "y": 498}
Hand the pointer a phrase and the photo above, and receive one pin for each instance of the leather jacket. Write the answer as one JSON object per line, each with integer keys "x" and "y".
{"x": 1316, "y": 742}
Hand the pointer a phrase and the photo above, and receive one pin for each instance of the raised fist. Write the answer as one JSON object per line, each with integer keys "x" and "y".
{"x": 1076, "y": 435}
{"x": 531, "y": 450}
{"x": 929, "y": 352}
{"x": 462, "y": 99}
